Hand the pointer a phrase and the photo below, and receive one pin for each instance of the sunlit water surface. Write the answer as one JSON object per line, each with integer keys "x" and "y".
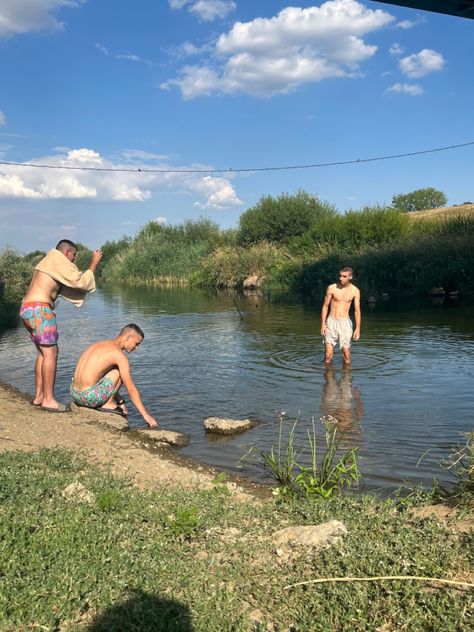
{"x": 408, "y": 395}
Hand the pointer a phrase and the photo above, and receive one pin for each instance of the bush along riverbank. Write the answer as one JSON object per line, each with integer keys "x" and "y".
{"x": 83, "y": 550}
{"x": 292, "y": 243}
{"x": 297, "y": 243}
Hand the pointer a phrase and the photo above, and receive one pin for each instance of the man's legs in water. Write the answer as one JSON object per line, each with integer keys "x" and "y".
{"x": 329, "y": 353}
{"x": 346, "y": 354}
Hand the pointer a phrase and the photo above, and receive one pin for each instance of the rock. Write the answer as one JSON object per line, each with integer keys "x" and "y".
{"x": 77, "y": 492}
{"x": 437, "y": 291}
{"x": 311, "y": 537}
{"x": 226, "y": 426}
{"x": 110, "y": 420}
{"x": 170, "y": 437}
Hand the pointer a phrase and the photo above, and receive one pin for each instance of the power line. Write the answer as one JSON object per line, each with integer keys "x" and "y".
{"x": 242, "y": 170}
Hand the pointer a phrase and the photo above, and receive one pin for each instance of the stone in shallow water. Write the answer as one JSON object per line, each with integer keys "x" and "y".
{"x": 224, "y": 426}
{"x": 170, "y": 437}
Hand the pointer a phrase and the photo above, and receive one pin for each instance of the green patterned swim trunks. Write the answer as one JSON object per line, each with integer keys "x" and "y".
{"x": 96, "y": 395}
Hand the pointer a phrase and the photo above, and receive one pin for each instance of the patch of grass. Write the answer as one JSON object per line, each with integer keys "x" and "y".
{"x": 177, "y": 560}
{"x": 327, "y": 474}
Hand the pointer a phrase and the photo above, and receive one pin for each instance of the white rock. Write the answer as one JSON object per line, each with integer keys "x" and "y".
{"x": 170, "y": 437}
{"x": 76, "y": 491}
{"x": 311, "y": 537}
{"x": 224, "y": 426}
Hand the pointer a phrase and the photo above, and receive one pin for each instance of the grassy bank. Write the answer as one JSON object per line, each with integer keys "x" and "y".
{"x": 122, "y": 559}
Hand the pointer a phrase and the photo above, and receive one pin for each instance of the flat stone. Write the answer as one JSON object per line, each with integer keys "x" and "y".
{"x": 310, "y": 537}
{"x": 224, "y": 426}
{"x": 109, "y": 420}
{"x": 177, "y": 439}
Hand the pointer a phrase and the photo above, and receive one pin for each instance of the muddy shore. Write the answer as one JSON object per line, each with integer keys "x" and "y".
{"x": 24, "y": 427}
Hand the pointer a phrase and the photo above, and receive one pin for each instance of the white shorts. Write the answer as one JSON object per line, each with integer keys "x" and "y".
{"x": 338, "y": 329}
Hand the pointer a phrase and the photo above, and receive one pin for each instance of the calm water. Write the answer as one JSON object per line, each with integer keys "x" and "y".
{"x": 409, "y": 390}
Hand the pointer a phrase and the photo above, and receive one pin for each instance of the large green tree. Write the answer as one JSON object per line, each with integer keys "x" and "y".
{"x": 282, "y": 218}
{"x": 419, "y": 200}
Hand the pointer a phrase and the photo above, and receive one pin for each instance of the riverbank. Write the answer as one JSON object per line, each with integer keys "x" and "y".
{"x": 24, "y": 427}
{"x": 101, "y": 534}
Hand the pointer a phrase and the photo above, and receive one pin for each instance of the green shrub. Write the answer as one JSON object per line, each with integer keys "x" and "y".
{"x": 15, "y": 275}
{"x": 370, "y": 226}
{"x": 419, "y": 200}
{"x": 282, "y": 218}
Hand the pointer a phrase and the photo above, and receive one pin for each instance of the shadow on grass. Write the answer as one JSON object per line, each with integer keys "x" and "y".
{"x": 144, "y": 612}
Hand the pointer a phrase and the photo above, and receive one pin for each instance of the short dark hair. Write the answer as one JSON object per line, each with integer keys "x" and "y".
{"x": 65, "y": 244}
{"x": 132, "y": 327}
{"x": 347, "y": 269}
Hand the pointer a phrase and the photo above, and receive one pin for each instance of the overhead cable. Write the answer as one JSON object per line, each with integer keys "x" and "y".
{"x": 338, "y": 163}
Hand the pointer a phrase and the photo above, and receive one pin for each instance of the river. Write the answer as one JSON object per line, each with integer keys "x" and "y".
{"x": 404, "y": 402}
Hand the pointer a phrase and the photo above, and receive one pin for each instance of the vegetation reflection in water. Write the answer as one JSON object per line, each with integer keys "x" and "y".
{"x": 409, "y": 389}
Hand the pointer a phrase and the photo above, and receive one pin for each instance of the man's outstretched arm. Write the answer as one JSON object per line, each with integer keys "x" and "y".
{"x": 124, "y": 369}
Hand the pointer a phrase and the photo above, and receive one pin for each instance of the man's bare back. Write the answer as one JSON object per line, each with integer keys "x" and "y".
{"x": 96, "y": 361}
{"x": 43, "y": 288}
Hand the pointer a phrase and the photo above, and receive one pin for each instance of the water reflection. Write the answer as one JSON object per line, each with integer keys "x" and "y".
{"x": 342, "y": 401}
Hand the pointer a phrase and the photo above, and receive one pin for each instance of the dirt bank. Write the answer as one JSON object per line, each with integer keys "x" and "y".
{"x": 24, "y": 427}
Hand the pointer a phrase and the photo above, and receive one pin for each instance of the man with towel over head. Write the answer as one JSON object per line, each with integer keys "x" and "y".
{"x": 56, "y": 274}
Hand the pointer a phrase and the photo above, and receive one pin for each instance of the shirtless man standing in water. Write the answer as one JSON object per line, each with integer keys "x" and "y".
{"x": 338, "y": 325}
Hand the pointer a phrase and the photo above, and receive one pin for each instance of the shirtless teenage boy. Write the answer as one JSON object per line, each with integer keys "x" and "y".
{"x": 338, "y": 325}
{"x": 101, "y": 371}
{"x": 56, "y": 274}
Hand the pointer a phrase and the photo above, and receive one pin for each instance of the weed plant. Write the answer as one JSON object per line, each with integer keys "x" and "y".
{"x": 327, "y": 475}
{"x": 461, "y": 465}
{"x": 179, "y": 561}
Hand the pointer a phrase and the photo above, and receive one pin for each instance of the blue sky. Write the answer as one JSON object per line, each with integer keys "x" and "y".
{"x": 213, "y": 84}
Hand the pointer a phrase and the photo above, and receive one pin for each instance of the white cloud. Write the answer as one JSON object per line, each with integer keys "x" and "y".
{"x": 3, "y": 120}
{"x": 270, "y": 56}
{"x": 22, "y": 16}
{"x": 421, "y": 64}
{"x": 160, "y": 220}
{"x": 396, "y": 49}
{"x": 206, "y": 10}
{"x": 220, "y": 193}
{"x": 133, "y": 57}
{"x": 102, "y": 48}
{"x": 406, "y": 24}
{"x": 412, "y": 90}
{"x": 131, "y": 186}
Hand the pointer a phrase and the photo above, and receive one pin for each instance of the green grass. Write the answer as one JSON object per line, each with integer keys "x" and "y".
{"x": 177, "y": 560}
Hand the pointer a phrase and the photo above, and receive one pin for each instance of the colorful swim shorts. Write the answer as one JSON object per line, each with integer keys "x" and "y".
{"x": 96, "y": 395}
{"x": 40, "y": 320}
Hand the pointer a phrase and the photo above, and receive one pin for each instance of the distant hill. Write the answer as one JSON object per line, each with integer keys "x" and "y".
{"x": 445, "y": 212}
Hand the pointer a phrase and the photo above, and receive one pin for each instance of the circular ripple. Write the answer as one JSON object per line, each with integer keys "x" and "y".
{"x": 299, "y": 361}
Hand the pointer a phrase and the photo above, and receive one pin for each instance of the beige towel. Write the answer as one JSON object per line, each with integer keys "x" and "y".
{"x": 74, "y": 283}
